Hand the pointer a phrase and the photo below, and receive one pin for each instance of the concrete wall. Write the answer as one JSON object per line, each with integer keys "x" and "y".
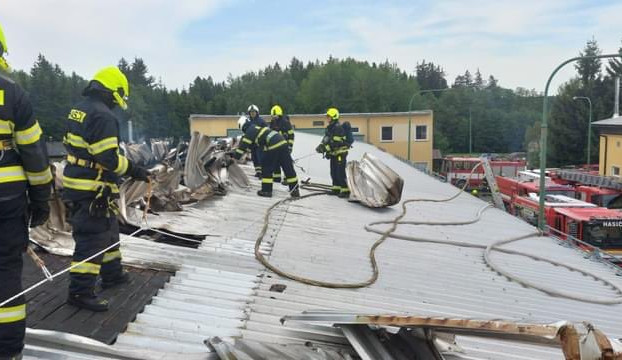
{"x": 369, "y": 129}
{"x": 610, "y": 154}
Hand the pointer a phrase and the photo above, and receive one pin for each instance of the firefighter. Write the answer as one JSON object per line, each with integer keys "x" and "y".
{"x": 256, "y": 152}
{"x": 90, "y": 182}
{"x": 275, "y": 154}
{"x": 335, "y": 148}
{"x": 25, "y": 187}
{"x": 280, "y": 122}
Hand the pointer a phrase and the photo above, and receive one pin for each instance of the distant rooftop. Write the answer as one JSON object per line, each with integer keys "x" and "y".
{"x": 402, "y": 113}
{"x": 614, "y": 121}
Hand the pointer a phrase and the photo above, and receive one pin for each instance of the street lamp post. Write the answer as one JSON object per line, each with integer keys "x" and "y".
{"x": 589, "y": 128}
{"x": 470, "y": 135}
{"x": 544, "y": 132}
{"x": 410, "y": 103}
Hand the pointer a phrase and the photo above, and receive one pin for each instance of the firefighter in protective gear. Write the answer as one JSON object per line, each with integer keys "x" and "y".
{"x": 335, "y": 147}
{"x": 256, "y": 153}
{"x": 90, "y": 182}
{"x": 276, "y": 154}
{"x": 25, "y": 187}
{"x": 280, "y": 122}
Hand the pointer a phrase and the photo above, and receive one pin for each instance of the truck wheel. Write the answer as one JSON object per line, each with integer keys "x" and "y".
{"x": 460, "y": 183}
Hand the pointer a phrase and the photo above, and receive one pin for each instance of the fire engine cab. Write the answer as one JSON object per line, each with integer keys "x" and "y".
{"x": 456, "y": 170}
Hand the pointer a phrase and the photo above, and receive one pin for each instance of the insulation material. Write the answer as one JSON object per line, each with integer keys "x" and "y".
{"x": 373, "y": 183}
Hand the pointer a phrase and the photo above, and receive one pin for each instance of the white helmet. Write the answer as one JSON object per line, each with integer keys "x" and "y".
{"x": 252, "y": 107}
{"x": 242, "y": 121}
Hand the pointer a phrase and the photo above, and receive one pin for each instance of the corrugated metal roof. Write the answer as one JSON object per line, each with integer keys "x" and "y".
{"x": 220, "y": 290}
{"x": 614, "y": 121}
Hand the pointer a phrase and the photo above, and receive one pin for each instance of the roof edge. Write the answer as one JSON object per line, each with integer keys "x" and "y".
{"x": 400, "y": 113}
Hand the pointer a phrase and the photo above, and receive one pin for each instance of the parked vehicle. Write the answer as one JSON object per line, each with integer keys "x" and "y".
{"x": 457, "y": 170}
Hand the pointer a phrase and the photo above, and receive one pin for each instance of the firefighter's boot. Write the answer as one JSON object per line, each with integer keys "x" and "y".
{"x": 89, "y": 302}
{"x": 264, "y": 193}
{"x": 19, "y": 356}
{"x": 295, "y": 193}
{"x": 121, "y": 279}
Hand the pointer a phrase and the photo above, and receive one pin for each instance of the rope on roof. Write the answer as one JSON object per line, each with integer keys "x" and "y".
{"x": 321, "y": 189}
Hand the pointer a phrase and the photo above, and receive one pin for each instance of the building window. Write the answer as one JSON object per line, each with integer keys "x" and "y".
{"x": 318, "y": 123}
{"x": 615, "y": 171}
{"x": 421, "y": 132}
{"x": 355, "y": 129}
{"x": 386, "y": 133}
{"x": 617, "y": 144}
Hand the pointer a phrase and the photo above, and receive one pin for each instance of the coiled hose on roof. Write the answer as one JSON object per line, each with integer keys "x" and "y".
{"x": 321, "y": 189}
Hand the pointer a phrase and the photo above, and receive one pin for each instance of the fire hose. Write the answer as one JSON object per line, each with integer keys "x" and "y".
{"x": 320, "y": 189}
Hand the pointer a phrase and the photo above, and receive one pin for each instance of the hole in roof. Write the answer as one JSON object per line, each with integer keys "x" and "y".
{"x": 164, "y": 236}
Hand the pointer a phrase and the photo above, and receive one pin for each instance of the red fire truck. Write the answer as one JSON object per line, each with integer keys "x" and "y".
{"x": 513, "y": 188}
{"x": 457, "y": 170}
{"x": 602, "y": 197}
{"x": 600, "y": 227}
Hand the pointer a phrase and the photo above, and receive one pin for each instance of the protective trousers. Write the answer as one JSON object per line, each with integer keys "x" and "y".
{"x": 338, "y": 173}
{"x": 277, "y": 172}
{"x": 257, "y": 155}
{"x": 275, "y": 159}
{"x": 92, "y": 235}
{"x": 13, "y": 242}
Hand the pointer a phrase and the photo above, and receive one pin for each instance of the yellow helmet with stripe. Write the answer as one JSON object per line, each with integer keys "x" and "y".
{"x": 276, "y": 111}
{"x": 114, "y": 80}
{"x": 333, "y": 113}
{"x": 3, "y": 50}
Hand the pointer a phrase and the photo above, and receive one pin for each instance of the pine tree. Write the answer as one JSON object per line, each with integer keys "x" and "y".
{"x": 430, "y": 76}
{"x": 589, "y": 69}
{"x": 614, "y": 68}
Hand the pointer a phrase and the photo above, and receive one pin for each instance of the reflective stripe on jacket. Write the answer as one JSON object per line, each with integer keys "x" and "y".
{"x": 259, "y": 136}
{"x": 24, "y": 163}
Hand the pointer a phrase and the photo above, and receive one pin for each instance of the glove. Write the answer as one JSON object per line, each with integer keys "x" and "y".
{"x": 140, "y": 173}
{"x": 101, "y": 205}
{"x": 320, "y": 148}
{"x": 38, "y": 213}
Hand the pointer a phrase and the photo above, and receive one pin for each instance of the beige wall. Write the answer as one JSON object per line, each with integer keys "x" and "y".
{"x": 369, "y": 125}
{"x": 610, "y": 154}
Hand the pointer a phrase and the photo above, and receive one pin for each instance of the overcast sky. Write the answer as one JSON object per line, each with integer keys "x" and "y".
{"x": 519, "y": 42}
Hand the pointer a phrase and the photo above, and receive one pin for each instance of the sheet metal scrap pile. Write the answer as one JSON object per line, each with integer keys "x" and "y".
{"x": 171, "y": 188}
{"x": 437, "y": 335}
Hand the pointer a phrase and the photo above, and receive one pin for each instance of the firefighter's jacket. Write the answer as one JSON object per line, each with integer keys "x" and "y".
{"x": 262, "y": 137}
{"x": 334, "y": 140}
{"x": 24, "y": 164}
{"x": 257, "y": 120}
{"x": 92, "y": 143}
{"x": 284, "y": 127}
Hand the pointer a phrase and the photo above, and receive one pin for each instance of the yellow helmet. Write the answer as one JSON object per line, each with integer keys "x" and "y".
{"x": 113, "y": 79}
{"x": 3, "y": 50}
{"x": 333, "y": 113}
{"x": 276, "y": 111}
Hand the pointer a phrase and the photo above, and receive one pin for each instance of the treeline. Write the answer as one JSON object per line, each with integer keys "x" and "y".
{"x": 568, "y": 125}
{"x": 502, "y": 120}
